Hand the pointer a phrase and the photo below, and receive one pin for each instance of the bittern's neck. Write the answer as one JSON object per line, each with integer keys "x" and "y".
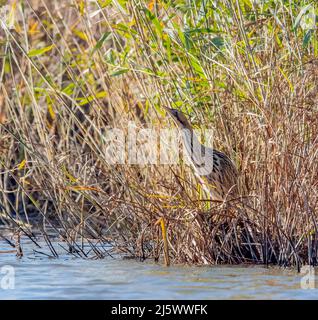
{"x": 182, "y": 122}
{"x": 192, "y": 144}
{"x": 185, "y": 125}
{"x": 197, "y": 153}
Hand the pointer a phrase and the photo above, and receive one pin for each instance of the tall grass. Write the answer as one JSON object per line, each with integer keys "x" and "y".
{"x": 248, "y": 69}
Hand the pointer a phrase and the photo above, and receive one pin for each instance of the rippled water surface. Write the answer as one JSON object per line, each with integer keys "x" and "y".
{"x": 38, "y": 277}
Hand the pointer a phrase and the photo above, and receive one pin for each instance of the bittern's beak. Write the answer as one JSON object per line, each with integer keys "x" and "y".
{"x": 174, "y": 115}
{"x": 170, "y": 111}
{"x": 167, "y": 109}
{"x": 178, "y": 118}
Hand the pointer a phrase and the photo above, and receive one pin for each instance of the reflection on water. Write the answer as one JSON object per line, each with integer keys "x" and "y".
{"x": 38, "y": 277}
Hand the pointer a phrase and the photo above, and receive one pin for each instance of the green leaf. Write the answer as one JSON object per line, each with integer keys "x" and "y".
{"x": 218, "y": 42}
{"x": 38, "y": 52}
{"x": 69, "y": 89}
{"x": 307, "y": 37}
{"x": 104, "y": 3}
{"x": 122, "y": 4}
{"x": 154, "y": 20}
{"x": 187, "y": 40}
{"x": 300, "y": 15}
{"x": 168, "y": 47}
{"x": 119, "y": 72}
{"x": 88, "y": 99}
{"x": 123, "y": 30}
{"x": 197, "y": 66}
{"x": 100, "y": 42}
{"x": 202, "y": 30}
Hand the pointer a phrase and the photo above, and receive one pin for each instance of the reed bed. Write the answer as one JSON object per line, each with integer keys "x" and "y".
{"x": 247, "y": 69}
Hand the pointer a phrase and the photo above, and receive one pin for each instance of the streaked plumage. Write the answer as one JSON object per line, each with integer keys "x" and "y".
{"x": 215, "y": 170}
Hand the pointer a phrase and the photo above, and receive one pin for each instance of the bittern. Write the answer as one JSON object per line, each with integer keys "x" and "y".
{"x": 215, "y": 170}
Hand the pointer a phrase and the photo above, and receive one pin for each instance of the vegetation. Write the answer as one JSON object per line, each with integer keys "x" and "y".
{"x": 248, "y": 69}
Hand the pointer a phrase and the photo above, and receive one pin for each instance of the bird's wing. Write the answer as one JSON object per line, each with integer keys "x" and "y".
{"x": 223, "y": 175}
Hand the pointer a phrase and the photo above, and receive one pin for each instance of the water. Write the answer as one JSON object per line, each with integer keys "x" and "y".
{"x": 38, "y": 277}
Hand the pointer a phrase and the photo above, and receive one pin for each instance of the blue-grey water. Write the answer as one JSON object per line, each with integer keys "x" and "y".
{"x": 39, "y": 277}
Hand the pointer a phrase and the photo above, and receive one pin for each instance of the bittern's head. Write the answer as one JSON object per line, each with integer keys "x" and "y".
{"x": 179, "y": 118}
